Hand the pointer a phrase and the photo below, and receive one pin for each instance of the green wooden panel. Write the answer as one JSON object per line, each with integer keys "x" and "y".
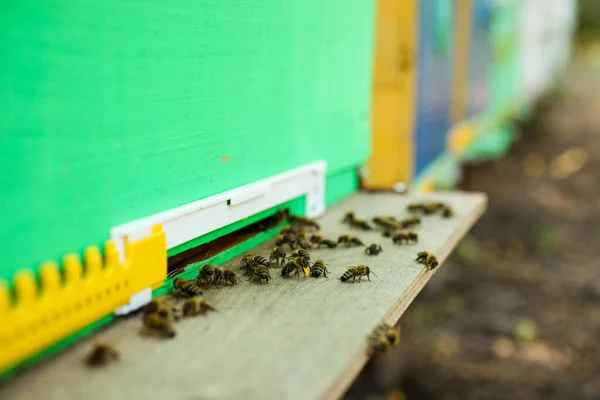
{"x": 116, "y": 109}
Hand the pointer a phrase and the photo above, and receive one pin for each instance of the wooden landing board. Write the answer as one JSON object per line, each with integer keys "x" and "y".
{"x": 290, "y": 339}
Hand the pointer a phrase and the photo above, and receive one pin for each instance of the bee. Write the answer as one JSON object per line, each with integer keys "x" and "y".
{"x": 183, "y": 287}
{"x": 318, "y": 268}
{"x": 292, "y": 266}
{"x": 319, "y": 241}
{"x": 410, "y": 222}
{"x": 288, "y": 229}
{"x": 156, "y": 324}
{"x": 261, "y": 272}
{"x": 386, "y": 222}
{"x": 405, "y": 237}
{"x": 162, "y": 307}
{"x": 278, "y": 254}
{"x": 373, "y": 249}
{"x": 360, "y": 224}
{"x": 302, "y": 241}
{"x": 358, "y": 271}
{"x": 206, "y": 274}
{"x": 304, "y": 221}
{"x": 416, "y": 207}
{"x": 260, "y": 260}
{"x": 383, "y": 338}
{"x": 349, "y": 241}
{"x": 246, "y": 262}
{"x": 300, "y": 253}
{"x": 447, "y": 212}
{"x": 389, "y": 232}
{"x": 225, "y": 275}
{"x": 101, "y": 354}
{"x": 354, "y": 222}
{"x": 196, "y": 306}
{"x": 288, "y": 239}
{"x": 428, "y": 259}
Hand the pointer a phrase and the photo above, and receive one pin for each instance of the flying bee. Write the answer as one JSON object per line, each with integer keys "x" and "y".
{"x": 196, "y": 306}
{"x": 383, "y": 338}
{"x": 261, "y": 272}
{"x": 318, "y": 268}
{"x": 278, "y": 254}
{"x": 447, "y": 212}
{"x": 358, "y": 271}
{"x": 162, "y": 307}
{"x": 224, "y": 275}
{"x": 101, "y": 354}
{"x": 405, "y": 237}
{"x": 292, "y": 266}
{"x": 410, "y": 222}
{"x": 206, "y": 274}
{"x": 304, "y": 221}
{"x": 428, "y": 259}
{"x": 348, "y": 217}
{"x": 373, "y": 249}
{"x": 349, "y": 241}
{"x": 185, "y": 287}
{"x": 154, "y": 323}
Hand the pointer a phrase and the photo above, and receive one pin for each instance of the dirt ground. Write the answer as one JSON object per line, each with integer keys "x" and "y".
{"x": 515, "y": 312}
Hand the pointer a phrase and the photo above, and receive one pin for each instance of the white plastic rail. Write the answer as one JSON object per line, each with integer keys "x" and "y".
{"x": 187, "y": 222}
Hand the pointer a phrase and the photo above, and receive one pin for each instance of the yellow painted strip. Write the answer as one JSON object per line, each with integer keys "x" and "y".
{"x": 462, "y": 49}
{"x": 44, "y": 315}
{"x": 394, "y": 94}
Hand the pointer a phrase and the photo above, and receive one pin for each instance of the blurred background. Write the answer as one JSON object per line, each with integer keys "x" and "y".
{"x": 515, "y": 314}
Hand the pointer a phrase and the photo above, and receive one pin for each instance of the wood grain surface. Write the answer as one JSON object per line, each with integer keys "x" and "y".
{"x": 290, "y": 339}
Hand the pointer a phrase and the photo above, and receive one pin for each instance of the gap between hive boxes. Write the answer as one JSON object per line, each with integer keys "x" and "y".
{"x": 306, "y": 337}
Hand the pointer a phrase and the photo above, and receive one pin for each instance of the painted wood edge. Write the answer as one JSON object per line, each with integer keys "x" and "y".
{"x": 341, "y": 384}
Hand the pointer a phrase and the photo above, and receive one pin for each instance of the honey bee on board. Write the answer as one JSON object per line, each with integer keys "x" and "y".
{"x": 373, "y": 249}
{"x": 158, "y": 325}
{"x": 288, "y": 238}
{"x": 357, "y": 271}
{"x": 301, "y": 253}
{"x": 292, "y": 266}
{"x": 303, "y": 241}
{"x": 246, "y": 262}
{"x": 260, "y": 260}
{"x": 319, "y": 241}
{"x": 447, "y": 212}
{"x": 318, "y": 268}
{"x": 350, "y": 241}
{"x": 196, "y": 306}
{"x": 410, "y": 222}
{"x": 405, "y": 238}
{"x": 184, "y": 288}
{"x": 163, "y": 307}
{"x": 383, "y": 338}
{"x": 261, "y": 272}
{"x": 304, "y": 221}
{"x": 278, "y": 254}
{"x": 288, "y": 229}
{"x": 101, "y": 354}
{"x": 224, "y": 275}
{"x": 354, "y": 222}
{"x": 428, "y": 259}
{"x": 206, "y": 274}
{"x": 386, "y": 223}
{"x": 389, "y": 232}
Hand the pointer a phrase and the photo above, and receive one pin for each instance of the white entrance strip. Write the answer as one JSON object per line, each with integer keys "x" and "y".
{"x": 187, "y": 222}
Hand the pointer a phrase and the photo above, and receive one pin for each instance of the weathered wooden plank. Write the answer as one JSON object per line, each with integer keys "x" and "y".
{"x": 294, "y": 338}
